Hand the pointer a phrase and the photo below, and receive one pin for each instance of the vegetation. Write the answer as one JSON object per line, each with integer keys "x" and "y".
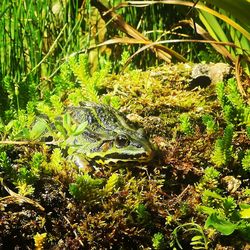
{"x": 195, "y": 192}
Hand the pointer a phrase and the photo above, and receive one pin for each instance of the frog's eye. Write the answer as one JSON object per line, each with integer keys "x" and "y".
{"x": 121, "y": 141}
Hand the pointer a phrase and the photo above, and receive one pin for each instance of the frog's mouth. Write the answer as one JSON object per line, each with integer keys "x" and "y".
{"x": 115, "y": 158}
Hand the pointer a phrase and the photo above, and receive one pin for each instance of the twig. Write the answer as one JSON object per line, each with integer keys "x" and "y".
{"x": 20, "y": 198}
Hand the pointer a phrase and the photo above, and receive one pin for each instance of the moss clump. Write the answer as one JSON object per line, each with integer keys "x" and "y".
{"x": 177, "y": 199}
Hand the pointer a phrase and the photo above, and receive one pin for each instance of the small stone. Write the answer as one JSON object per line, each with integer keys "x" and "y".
{"x": 205, "y": 74}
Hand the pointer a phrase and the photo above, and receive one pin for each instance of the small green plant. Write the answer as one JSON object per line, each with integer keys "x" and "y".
{"x": 169, "y": 220}
{"x": 185, "y": 124}
{"x": 247, "y": 192}
{"x": 246, "y": 161}
{"x": 36, "y": 162}
{"x": 18, "y": 128}
{"x": 64, "y": 81}
{"x": 212, "y": 200}
{"x": 5, "y": 165}
{"x": 198, "y": 240}
{"x": 112, "y": 183}
{"x": 39, "y": 240}
{"x": 56, "y": 163}
{"x": 113, "y": 101}
{"x": 90, "y": 84}
{"x": 222, "y": 153}
{"x": 30, "y": 173}
{"x": 227, "y": 227}
{"x": 220, "y": 223}
{"x": 11, "y": 91}
{"x": 245, "y": 211}
{"x": 159, "y": 241}
{"x": 38, "y": 129}
{"x": 26, "y": 173}
{"x": 224, "y": 215}
{"x": 67, "y": 128}
{"x": 142, "y": 215}
{"x": 52, "y": 107}
{"x": 210, "y": 124}
{"x": 86, "y": 188}
{"x": 234, "y": 96}
{"x": 228, "y": 109}
{"x": 209, "y": 180}
{"x": 235, "y": 110}
{"x": 24, "y": 189}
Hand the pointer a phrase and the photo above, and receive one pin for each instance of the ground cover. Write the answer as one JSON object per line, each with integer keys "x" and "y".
{"x": 194, "y": 193}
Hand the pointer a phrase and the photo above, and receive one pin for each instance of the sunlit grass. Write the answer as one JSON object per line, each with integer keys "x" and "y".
{"x": 35, "y": 39}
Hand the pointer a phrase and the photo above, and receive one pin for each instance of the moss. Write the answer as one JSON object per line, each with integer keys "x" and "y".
{"x": 148, "y": 205}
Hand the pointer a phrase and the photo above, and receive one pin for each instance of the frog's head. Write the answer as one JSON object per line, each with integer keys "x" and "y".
{"x": 121, "y": 146}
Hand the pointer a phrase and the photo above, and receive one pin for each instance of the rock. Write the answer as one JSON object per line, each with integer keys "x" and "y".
{"x": 205, "y": 74}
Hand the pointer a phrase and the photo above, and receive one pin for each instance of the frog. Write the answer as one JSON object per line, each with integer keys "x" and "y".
{"x": 108, "y": 138}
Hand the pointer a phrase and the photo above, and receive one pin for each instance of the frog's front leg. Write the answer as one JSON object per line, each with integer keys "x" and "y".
{"x": 82, "y": 163}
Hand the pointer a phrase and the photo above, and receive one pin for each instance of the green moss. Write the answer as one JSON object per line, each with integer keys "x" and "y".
{"x": 185, "y": 124}
{"x": 210, "y": 123}
{"x": 159, "y": 241}
{"x": 86, "y": 188}
{"x": 161, "y": 204}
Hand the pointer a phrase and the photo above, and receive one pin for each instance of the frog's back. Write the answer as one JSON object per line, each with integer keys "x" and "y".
{"x": 99, "y": 116}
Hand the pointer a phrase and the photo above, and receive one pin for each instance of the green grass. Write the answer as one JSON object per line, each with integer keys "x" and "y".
{"x": 36, "y": 37}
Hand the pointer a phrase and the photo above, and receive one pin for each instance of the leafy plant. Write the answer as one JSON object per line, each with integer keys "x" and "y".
{"x": 24, "y": 189}
{"x": 228, "y": 110}
{"x": 66, "y": 128}
{"x": 112, "y": 183}
{"x": 86, "y": 188}
{"x": 234, "y": 108}
{"x": 28, "y": 174}
{"x": 198, "y": 241}
{"x": 142, "y": 215}
{"x": 210, "y": 124}
{"x": 159, "y": 241}
{"x": 221, "y": 224}
{"x": 56, "y": 163}
{"x": 209, "y": 180}
{"x": 226, "y": 227}
{"x": 245, "y": 211}
{"x": 39, "y": 240}
{"x": 210, "y": 201}
{"x": 233, "y": 95}
{"x": 17, "y": 128}
{"x": 38, "y": 129}
{"x": 246, "y": 161}
{"x": 185, "y": 124}
{"x": 5, "y": 164}
{"x": 247, "y": 192}
{"x": 224, "y": 214}
{"x": 222, "y": 153}
{"x": 90, "y": 84}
